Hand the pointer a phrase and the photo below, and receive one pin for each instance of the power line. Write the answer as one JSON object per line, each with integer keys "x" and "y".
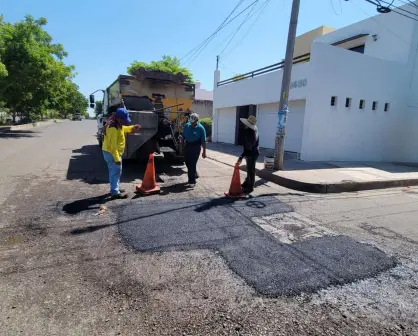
{"x": 228, "y": 68}
{"x": 205, "y": 43}
{"x": 229, "y": 36}
{"x": 261, "y": 9}
{"x": 217, "y": 29}
{"x": 333, "y": 8}
{"x": 404, "y": 15}
{"x": 412, "y": 3}
{"x": 239, "y": 28}
{"x": 371, "y": 17}
{"x": 398, "y": 8}
{"x": 208, "y": 40}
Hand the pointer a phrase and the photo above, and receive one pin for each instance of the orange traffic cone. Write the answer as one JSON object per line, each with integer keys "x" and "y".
{"x": 235, "y": 190}
{"x": 149, "y": 185}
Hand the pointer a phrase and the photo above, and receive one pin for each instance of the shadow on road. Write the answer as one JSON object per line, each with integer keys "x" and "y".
{"x": 85, "y": 204}
{"x": 87, "y": 165}
{"x": 17, "y": 134}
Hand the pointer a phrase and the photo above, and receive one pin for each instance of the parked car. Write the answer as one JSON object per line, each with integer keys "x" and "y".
{"x": 77, "y": 116}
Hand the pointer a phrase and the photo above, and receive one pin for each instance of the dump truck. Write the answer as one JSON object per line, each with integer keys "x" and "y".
{"x": 158, "y": 101}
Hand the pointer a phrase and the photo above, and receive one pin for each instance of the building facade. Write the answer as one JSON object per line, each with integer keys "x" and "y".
{"x": 203, "y": 102}
{"x": 353, "y": 94}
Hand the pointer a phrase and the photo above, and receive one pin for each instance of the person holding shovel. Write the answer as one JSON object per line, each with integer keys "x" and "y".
{"x": 250, "y": 152}
{"x": 114, "y": 146}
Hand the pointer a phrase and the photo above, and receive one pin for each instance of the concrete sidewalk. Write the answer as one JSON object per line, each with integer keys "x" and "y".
{"x": 323, "y": 177}
{"x": 32, "y": 125}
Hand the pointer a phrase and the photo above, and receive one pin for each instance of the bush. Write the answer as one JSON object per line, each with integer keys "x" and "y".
{"x": 207, "y": 124}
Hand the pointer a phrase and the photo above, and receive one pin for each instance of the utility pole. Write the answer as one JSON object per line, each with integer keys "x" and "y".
{"x": 284, "y": 94}
{"x": 217, "y": 62}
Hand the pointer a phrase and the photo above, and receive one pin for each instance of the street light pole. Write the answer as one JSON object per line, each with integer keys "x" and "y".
{"x": 284, "y": 94}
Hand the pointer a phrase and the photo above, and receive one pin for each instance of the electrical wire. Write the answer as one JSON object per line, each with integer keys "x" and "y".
{"x": 404, "y": 15}
{"x": 207, "y": 41}
{"x": 412, "y": 3}
{"x": 247, "y": 17}
{"x": 229, "y": 36}
{"x": 406, "y": 3}
{"x": 398, "y": 8}
{"x": 228, "y": 68}
{"x": 371, "y": 17}
{"x": 333, "y": 8}
{"x": 217, "y": 29}
{"x": 261, "y": 11}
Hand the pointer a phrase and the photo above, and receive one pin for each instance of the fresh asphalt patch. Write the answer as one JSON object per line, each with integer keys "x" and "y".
{"x": 224, "y": 225}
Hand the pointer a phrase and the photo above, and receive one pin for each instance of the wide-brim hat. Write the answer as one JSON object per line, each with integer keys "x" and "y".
{"x": 250, "y": 122}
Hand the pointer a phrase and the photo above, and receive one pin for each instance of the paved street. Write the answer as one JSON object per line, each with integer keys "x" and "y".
{"x": 191, "y": 262}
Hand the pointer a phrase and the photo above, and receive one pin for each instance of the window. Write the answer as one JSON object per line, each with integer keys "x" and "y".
{"x": 347, "y": 102}
{"x": 333, "y": 100}
{"x": 374, "y": 106}
{"x": 362, "y": 104}
{"x": 386, "y": 107}
{"x": 359, "y": 49}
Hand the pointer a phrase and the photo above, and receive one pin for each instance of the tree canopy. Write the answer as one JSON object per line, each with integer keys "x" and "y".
{"x": 98, "y": 109}
{"x": 168, "y": 64}
{"x": 33, "y": 76}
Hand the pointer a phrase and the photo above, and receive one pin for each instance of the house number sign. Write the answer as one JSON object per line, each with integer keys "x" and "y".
{"x": 298, "y": 83}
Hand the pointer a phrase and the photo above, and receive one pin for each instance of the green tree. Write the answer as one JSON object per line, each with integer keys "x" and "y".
{"x": 167, "y": 63}
{"x": 70, "y": 100}
{"x": 238, "y": 77}
{"x": 33, "y": 77}
{"x": 3, "y": 70}
{"x": 98, "y": 108}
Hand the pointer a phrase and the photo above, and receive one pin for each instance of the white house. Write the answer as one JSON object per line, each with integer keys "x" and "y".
{"x": 203, "y": 101}
{"x": 353, "y": 97}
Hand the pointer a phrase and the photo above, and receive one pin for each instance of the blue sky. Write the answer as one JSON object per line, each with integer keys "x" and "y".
{"x": 104, "y": 37}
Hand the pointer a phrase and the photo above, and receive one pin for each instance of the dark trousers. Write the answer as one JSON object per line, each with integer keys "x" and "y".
{"x": 250, "y": 180}
{"x": 191, "y": 156}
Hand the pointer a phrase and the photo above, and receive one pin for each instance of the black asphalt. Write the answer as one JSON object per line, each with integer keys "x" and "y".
{"x": 271, "y": 267}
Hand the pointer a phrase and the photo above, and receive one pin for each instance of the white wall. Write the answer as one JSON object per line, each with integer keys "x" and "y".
{"x": 350, "y": 134}
{"x": 267, "y": 124}
{"x": 261, "y": 89}
{"x": 203, "y": 108}
{"x": 225, "y": 125}
{"x": 394, "y": 35}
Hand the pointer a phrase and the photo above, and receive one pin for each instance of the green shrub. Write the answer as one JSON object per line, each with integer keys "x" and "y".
{"x": 207, "y": 124}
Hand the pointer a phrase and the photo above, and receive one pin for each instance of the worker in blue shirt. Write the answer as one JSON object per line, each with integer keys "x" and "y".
{"x": 194, "y": 135}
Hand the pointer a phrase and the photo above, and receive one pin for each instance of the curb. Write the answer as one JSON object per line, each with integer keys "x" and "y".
{"x": 324, "y": 188}
{"x": 5, "y": 129}
{"x": 26, "y": 126}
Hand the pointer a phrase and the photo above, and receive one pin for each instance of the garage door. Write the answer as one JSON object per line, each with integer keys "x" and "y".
{"x": 267, "y": 125}
{"x": 226, "y": 124}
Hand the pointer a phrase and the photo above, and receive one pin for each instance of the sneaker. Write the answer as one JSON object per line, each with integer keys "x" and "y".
{"x": 191, "y": 185}
{"x": 119, "y": 196}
